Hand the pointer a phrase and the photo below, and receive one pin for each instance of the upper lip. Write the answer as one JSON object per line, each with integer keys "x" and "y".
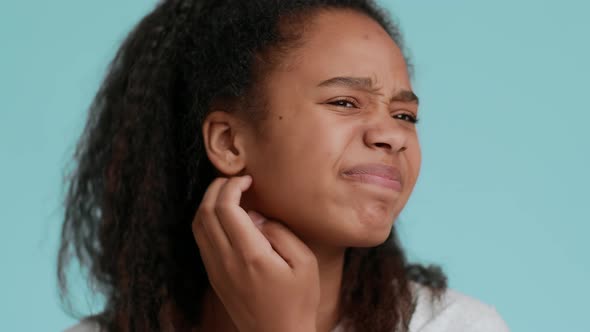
{"x": 381, "y": 170}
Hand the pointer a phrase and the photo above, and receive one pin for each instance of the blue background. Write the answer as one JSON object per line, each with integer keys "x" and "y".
{"x": 502, "y": 202}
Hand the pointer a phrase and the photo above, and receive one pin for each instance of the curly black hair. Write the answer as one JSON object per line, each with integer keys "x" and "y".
{"x": 141, "y": 168}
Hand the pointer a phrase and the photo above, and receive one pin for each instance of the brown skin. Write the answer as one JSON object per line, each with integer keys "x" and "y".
{"x": 296, "y": 159}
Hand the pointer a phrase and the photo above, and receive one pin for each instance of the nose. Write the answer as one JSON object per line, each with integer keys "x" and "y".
{"x": 387, "y": 134}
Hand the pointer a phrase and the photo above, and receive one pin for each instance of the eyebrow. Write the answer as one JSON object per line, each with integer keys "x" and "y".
{"x": 366, "y": 84}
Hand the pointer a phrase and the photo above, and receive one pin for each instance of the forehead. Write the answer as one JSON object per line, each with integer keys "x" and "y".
{"x": 348, "y": 43}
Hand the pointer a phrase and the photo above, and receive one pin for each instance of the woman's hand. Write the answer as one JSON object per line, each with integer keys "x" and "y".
{"x": 267, "y": 278}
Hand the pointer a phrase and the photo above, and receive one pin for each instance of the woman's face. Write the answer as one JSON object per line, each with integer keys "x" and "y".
{"x": 338, "y": 135}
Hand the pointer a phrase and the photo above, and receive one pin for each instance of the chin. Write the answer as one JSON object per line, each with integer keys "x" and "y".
{"x": 370, "y": 237}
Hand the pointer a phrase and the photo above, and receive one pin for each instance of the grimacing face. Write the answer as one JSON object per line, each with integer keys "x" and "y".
{"x": 340, "y": 123}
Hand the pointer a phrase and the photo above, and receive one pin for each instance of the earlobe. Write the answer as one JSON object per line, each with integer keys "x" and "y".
{"x": 221, "y": 140}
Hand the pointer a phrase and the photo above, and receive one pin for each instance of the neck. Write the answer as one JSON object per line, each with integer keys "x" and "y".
{"x": 330, "y": 263}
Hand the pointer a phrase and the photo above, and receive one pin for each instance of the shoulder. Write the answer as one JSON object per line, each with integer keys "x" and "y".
{"x": 454, "y": 312}
{"x": 84, "y": 326}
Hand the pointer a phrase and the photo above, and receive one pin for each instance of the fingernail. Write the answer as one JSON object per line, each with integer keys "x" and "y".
{"x": 257, "y": 218}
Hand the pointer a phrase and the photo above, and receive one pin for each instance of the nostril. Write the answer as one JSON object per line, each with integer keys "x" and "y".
{"x": 383, "y": 145}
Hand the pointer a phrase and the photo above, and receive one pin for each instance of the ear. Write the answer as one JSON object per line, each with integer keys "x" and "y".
{"x": 222, "y": 136}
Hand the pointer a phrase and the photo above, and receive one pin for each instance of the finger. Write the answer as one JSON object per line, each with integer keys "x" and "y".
{"x": 208, "y": 255}
{"x": 207, "y": 219}
{"x": 235, "y": 221}
{"x": 204, "y": 245}
{"x": 287, "y": 245}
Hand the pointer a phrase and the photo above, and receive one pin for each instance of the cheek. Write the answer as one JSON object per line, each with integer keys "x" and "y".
{"x": 296, "y": 180}
{"x": 414, "y": 156}
{"x": 413, "y": 160}
{"x": 290, "y": 169}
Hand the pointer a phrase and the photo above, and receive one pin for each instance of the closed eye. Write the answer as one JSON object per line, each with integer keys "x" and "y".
{"x": 407, "y": 117}
{"x": 344, "y": 103}
{"x": 347, "y": 103}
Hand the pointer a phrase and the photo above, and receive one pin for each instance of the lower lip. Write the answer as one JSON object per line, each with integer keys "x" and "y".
{"x": 378, "y": 180}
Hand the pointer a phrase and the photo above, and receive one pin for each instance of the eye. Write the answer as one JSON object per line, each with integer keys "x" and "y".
{"x": 407, "y": 117}
{"x": 344, "y": 103}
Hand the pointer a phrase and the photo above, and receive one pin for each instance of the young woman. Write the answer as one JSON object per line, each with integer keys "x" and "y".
{"x": 241, "y": 170}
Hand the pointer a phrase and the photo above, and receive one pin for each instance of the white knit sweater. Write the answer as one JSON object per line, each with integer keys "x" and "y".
{"x": 454, "y": 312}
